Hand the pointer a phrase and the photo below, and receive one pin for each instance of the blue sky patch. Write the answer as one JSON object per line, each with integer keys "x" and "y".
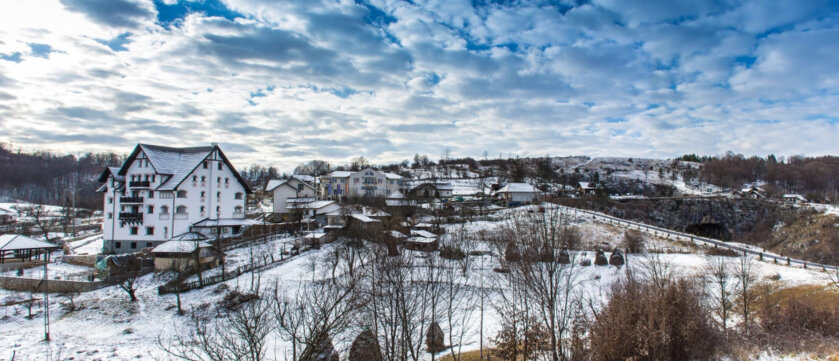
{"x": 14, "y": 57}
{"x": 168, "y": 14}
{"x": 117, "y": 43}
{"x": 40, "y": 50}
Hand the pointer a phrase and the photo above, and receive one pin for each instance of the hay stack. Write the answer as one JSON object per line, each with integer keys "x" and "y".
{"x": 600, "y": 258}
{"x": 617, "y": 258}
{"x": 434, "y": 338}
{"x": 365, "y": 347}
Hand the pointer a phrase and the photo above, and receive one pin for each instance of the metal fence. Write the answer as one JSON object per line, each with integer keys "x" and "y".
{"x": 597, "y": 216}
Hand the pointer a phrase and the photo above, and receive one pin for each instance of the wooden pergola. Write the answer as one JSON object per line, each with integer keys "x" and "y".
{"x": 18, "y": 248}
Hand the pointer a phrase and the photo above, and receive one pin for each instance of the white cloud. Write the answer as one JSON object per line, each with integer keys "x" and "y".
{"x": 333, "y": 80}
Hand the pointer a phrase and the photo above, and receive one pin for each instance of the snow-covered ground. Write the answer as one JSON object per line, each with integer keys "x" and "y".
{"x": 107, "y": 326}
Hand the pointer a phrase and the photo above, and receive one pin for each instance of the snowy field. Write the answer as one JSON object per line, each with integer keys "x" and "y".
{"x": 106, "y": 326}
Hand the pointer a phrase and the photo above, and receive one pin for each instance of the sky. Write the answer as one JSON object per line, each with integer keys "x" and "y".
{"x": 282, "y": 82}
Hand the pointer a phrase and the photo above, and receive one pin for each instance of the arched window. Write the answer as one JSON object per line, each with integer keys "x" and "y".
{"x": 164, "y": 209}
{"x": 239, "y": 195}
{"x": 237, "y": 209}
{"x": 180, "y": 210}
{"x": 181, "y": 194}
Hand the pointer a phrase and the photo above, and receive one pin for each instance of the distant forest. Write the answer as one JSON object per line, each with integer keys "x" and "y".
{"x": 49, "y": 178}
{"x": 815, "y": 177}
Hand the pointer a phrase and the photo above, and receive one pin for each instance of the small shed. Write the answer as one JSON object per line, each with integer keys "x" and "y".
{"x": 425, "y": 244}
{"x": 518, "y": 192}
{"x": 182, "y": 251}
{"x": 794, "y": 198}
{"x": 7, "y": 216}
{"x": 18, "y": 248}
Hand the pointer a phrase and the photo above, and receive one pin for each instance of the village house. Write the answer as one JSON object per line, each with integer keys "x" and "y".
{"x": 427, "y": 190}
{"x": 518, "y": 192}
{"x": 586, "y": 188}
{"x": 367, "y": 182}
{"x": 160, "y": 192}
{"x": 752, "y": 192}
{"x": 289, "y": 192}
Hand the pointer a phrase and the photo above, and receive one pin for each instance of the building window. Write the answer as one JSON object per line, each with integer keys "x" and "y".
{"x": 239, "y": 195}
{"x": 218, "y": 194}
{"x": 195, "y": 178}
{"x": 181, "y": 194}
{"x": 117, "y": 245}
{"x": 218, "y": 209}
{"x": 180, "y": 210}
{"x": 133, "y": 245}
{"x": 203, "y": 194}
{"x": 148, "y": 244}
{"x": 202, "y": 209}
{"x": 150, "y": 210}
{"x": 357, "y": 180}
{"x": 203, "y": 179}
{"x": 218, "y": 180}
{"x": 238, "y": 209}
{"x": 164, "y": 209}
{"x": 133, "y": 230}
{"x": 166, "y": 195}
{"x": 151, "y": 194}
{"x": 380, "y": 181}
{"x": 300, "y": 187}
{"x": 205, "y": 164}
{"x": 226, "y": 180}
{"x": 110, "y": 200}
{"x": 150, "y": 231}
{"x": 219, "y": 166}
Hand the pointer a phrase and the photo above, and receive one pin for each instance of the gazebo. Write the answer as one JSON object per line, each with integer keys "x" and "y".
{"x": 18, "y": 248}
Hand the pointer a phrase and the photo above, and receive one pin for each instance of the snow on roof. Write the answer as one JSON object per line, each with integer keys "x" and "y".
{"x": 7, "y": 212}
{"x": 179, "y": 246}
{"x": 274, "y": 183}
{"x": 301, "y": 200}
{"x": 177, "y": 162}
{"x": 225, "y": 222}
{"x": 393, "y": 176}
{"x": 396, "y": 195}
{"x": 364, "y": 218}
{"x": 339, "y": 174}
{"x": 396, "y": 234}
{"x": 369, "y": 212}
{"x": 422, "y": 233}
{"x": 421, "y": 240}
{"x": 518, "y": 188}
{"x": 314, "y": 235}
{"x": 14, "y": 242}
{"x": 585, "y": 185}
{"x": 796, "y": 196}
{"x": 312, "y": 204}
{"x": 422, "y": 225}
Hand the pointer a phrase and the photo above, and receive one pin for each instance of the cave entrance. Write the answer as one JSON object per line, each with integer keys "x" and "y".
{"x": 711, "y": 230}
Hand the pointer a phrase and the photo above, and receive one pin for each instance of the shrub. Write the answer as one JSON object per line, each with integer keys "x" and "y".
{"x": 645, "y": 322}
{"x": 633, "y": 241}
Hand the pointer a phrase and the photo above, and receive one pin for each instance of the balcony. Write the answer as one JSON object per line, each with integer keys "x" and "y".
{"x": 130, "y": 217}
{"x": 130, "y": 199}
{"x": 181, "y": 216}
{"x": 238, "y": 215}
{"x": 139, "y": 184}
{"x": 164, "y": 216}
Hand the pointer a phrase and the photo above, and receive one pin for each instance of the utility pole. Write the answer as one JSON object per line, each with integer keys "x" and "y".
{"x": 46, "y": 299}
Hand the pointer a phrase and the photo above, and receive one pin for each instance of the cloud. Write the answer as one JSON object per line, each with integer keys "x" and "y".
{"x": 281, "y": 82}
{"x": 116, "y": 13}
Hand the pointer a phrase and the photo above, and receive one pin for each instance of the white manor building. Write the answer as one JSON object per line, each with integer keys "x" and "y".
{"x": 162, "y": 192}
{"x": 367, "y": 182}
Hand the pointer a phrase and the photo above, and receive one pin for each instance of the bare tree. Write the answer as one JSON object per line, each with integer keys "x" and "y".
{"x": 237, "y": 334}
{"x": 549, "y": 281}
{"x": 43, "y": 220}
{"x": 719, "y": 273}
{"x": 657, "y": 270}
{"x": 745, "y": 273}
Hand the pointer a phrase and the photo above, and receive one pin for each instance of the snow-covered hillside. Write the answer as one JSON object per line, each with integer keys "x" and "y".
{"x": 107, "y": 326}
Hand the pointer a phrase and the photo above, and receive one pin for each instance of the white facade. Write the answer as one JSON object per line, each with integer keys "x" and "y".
{"x": 160, "y": 192}
{"x": 286, "y": 190}
{"x": 367, "y": 182}
{"x": 518, "y": 192}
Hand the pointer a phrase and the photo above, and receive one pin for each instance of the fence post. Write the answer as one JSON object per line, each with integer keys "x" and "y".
{"x": 761, "y": 256}
{"x": 788, "y": 261}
